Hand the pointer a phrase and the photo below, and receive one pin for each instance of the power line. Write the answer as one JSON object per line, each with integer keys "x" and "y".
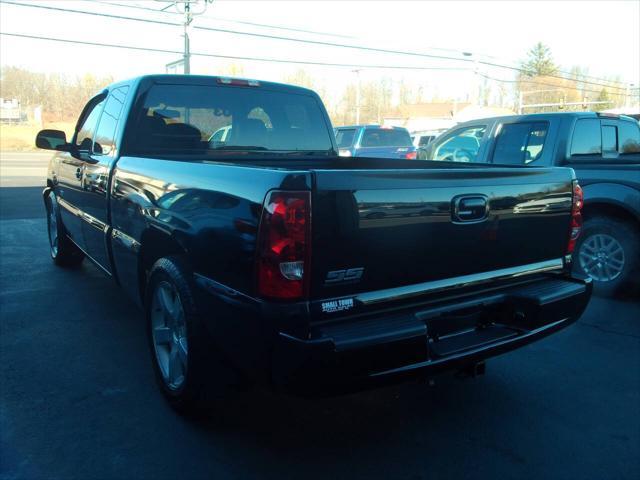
{"x": 537, "y": 82}
{"x": 314, "y": 42}
{"x": 233, "y": 57}
{"x": 277, "y": 60}
{"x": 239, "y": 22}
{"x": 106, "y": 2}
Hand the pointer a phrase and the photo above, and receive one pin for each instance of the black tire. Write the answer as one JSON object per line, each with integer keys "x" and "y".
{"x": 63, "y": 251}
{"x": 204, "y": 384}
{"x": 604, "y": 231}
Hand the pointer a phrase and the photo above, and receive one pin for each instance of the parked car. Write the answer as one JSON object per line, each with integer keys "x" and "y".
{"x": 272, "y": 261}
{"x": 604, "y": 151}
{"x": 375, "y": 141}
{"x": 421, "y": 139}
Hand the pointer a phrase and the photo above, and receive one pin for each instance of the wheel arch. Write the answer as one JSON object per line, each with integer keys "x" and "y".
{"x": 612, "y": 200}
{"x": 610, "y": 209}
{"x": 155, "y": 244}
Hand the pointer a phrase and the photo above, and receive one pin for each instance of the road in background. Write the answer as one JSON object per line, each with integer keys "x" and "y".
{"x": 78, "y": 399}
{"x": 23, "y": 169}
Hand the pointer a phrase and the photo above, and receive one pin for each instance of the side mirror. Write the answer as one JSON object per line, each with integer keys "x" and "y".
{"x": 52, "y": 140}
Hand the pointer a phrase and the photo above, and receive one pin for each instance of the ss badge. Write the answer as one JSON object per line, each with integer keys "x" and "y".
{"x": 341, "y": 277}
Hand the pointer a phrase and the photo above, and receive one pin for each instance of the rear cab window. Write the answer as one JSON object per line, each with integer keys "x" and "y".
{"x": 209, "y": 120}
{"x": 587, "y": 139}
{"x": 629, "y": 137}
{"x": 605, "y": 139}
{"x": 385, "y": 137}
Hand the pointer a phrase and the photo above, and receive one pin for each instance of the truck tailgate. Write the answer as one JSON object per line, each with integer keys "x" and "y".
{"x": 380, "y": 229}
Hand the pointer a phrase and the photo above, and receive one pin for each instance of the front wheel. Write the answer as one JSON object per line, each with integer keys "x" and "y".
{"x": 63, "y": 251}
{"x": 608, "y": 252}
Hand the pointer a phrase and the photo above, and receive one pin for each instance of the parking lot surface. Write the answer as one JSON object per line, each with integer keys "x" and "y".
{"x": 78, "y": 399}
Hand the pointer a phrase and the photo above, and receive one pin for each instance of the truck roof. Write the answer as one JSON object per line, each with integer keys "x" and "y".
{"x": 544, "y": 116}
{"x": 207, "y": 79}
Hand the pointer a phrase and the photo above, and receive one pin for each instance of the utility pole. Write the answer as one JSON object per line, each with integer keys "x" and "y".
{"x": 475, "y": 92}
{"x": 187, "y": 52}
{"x": 627, "y": 99}
{"x": 520, "y": 102}
{"x": 357, "y": 72}
{"x": 185, "y": 7}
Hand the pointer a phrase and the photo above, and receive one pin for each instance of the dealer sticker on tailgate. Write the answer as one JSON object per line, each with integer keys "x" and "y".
{"x": 337, "y": 305}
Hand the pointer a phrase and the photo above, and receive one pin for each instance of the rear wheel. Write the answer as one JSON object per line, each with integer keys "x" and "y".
{"x": 608, "y": 252}
{"x": 187, "y": 371}
{"x": 63, "y": 251}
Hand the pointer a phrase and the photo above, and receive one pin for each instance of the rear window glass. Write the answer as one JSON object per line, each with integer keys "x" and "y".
{"x": 629, "y": 137}
{"x": 383, "y": 137}
{"x": 344, "y": 137}
{"x": 201, "y": 119}
{"x": 586, "y": 137}
{"x": 520, "y": 143}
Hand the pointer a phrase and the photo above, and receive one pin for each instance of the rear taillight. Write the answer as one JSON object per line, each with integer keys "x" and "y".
{"x": 411, "y": 155}
{"x": 576, "y": 216}
{"x": 284, "y": 246}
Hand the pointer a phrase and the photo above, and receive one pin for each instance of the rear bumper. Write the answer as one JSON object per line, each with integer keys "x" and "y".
{"x": 420, "y": 342}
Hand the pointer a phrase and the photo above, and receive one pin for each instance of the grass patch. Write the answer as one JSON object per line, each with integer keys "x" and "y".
{"x": 22, "y": 137}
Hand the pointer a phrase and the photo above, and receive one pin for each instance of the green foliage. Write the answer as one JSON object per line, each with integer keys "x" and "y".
{"x": 539, "y": 61}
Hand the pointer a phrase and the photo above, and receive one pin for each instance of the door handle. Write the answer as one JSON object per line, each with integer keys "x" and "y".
{"x": 470, "y": 208}
{"x": 78, "y": 173}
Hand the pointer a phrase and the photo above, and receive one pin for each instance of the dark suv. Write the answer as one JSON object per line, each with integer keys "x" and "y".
{"x": 604, "y": 151}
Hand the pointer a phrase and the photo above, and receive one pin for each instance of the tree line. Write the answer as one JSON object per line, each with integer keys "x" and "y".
{"x": 60, "y": 96}
{"x": 538, "y": 82}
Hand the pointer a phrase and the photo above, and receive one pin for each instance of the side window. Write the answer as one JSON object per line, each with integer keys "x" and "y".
{"x": 629, "y": 137}
{"x": 609, "y": 139}
{"x": 463, "y": 146}
{"x": 425, "y": 140}
{"x": 520, "y": 143}
{"x": 344, "y": 137}
{"x": 84, "y": 137}
{"x": 104, "y": 139}
{"x": 586, "y": 137}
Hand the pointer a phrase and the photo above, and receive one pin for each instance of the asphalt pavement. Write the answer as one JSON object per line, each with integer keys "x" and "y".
{"x": 78, "y": 399}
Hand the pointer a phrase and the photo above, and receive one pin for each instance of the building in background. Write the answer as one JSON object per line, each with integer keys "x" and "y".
{"x": 440, "y": 115}
{"x": 10, "y": 111}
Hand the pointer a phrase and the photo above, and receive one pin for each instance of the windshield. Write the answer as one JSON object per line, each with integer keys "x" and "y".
{"x": 199, "y": 119}
{"x": 385, "y": 137}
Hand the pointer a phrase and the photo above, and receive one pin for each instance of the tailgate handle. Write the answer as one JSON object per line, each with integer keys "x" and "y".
{"x": 470, "y": 208}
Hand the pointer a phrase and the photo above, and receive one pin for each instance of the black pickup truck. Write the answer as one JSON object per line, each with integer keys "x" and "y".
{"x": 603, "y": 150}
{"x": 261, "y": 257}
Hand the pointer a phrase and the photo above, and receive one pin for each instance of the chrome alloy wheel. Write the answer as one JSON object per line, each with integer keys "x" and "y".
{"x": 601, "y": 257}
{"x": 169, "y": 333}
{"x": 52, "y": 226}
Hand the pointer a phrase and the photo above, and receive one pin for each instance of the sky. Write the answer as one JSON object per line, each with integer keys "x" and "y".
{"x": 603, "y": 36}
